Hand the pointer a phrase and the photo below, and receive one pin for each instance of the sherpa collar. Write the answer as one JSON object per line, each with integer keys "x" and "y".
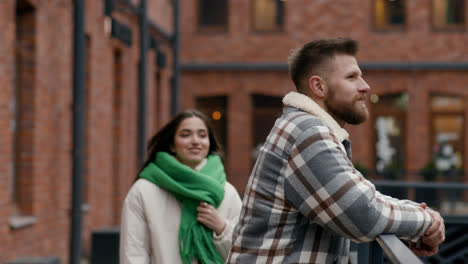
{"x": 306, "y": 104}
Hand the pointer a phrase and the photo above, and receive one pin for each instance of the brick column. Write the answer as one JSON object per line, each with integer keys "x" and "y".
{"x": 239, "y": 139}
{"x": 417, "y": 128}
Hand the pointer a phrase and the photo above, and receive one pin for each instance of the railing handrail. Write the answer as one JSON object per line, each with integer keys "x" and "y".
{"x": 396, "y": 251}
{"x": 413, "y": 184}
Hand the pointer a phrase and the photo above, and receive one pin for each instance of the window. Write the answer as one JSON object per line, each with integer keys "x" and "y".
{"x": 268, "y": 15}
{"x": 448, "y": 14}
{"x": 215, "y": 108}
{"x": 448, "y": 122}
{"x": 213, "y": 15}
{"x": 266, "y": 110}
{"x": 25, "y": 64}
{"x": 389, "y": 14}
{"x": 447, "y": 143}
{"x": 389, "y": 123}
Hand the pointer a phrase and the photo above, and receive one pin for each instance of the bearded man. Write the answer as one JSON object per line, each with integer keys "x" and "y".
{"x": 305, "y": 201}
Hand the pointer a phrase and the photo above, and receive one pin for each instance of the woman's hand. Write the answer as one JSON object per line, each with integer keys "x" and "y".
{"x": 208, "y": 216}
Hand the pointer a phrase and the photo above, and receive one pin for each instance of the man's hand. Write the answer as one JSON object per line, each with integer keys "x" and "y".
{"x": 423, "y": 250}
{"x": 434, "y": 235}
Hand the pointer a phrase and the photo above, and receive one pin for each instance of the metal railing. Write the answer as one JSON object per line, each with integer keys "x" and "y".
{"x": 443, "y": 196}
{"x": 389, "y": 249}
{"x": 395, "y": 250}
{"x": 421, "y": 185}
{"x": 452, "y": 251}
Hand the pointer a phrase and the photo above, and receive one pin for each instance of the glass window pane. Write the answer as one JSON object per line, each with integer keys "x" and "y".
{"x": 389, "y": 13}
{"x": 266, "y": 110}
{"x": 389, "y": 147}
{"x": 24, "y": 115}
{"x": 389, "y": 115}
{"x": 268, "y": 14}
{"x": 448, "y": 13}
{"x": 448, "y": 121}
{"x": 213, "y": 13}
{"x": 448, "y": 141}
{"x": 215, "y": 108}
{"x": 447, "y": 104}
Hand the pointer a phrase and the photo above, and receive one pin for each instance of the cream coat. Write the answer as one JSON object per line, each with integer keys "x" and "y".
{"x": 150, "y": 224}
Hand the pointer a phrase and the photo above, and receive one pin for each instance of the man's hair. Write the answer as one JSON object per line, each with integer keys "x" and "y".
{"x": 312, "y": 56}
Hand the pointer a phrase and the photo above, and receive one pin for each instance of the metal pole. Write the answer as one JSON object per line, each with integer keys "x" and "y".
{"x": 376, "y": 253}
{"x": 78, "y": 129}
{"x": 176, "y": 71}
{"x": 363, "y": 253}
{"x": 142, "y": 83}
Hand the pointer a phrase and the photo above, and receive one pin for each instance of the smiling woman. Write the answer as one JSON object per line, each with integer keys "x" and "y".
{"x": 180, "y": 209}
{"x": 191, "y": 143}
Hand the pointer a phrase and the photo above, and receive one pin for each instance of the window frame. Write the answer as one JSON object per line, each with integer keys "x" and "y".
{"x": 216, "y": 102}
{"x": 447, "y": 28}
{"x": 433, "y": 113}
{"x": 279, "y": 29}
{"x": 377, "y": 111}
{"x": 389, "y": 27}
{"x": 211, "y": 29}
{"x": 23, "y": 168}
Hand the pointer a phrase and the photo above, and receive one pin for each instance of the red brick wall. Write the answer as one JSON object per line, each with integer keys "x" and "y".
{"x": 7, "y": 13}
{"x": 304, "y": 21}
{"x": 160, "y": 12}
{"x": 109, "y": 175}
{"x": 238, "y": 86}
{"x": 307, "y": 20}
{"x": 50, "y": 133}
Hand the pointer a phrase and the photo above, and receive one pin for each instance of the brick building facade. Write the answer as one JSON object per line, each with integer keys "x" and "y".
{"x": 233, "y": 61}
{"x": 36, "y": 80}
{"x": 413, "y": 55}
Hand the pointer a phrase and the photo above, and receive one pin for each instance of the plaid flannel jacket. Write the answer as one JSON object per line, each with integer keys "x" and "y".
{"x": 304, "y": 200}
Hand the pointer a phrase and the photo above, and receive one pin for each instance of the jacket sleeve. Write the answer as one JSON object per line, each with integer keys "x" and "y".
{"x": 134, "y": 233}
{"x": 233, "y": 204}
{"x": 321, "y": 182}
{"x": 395, "y": 200}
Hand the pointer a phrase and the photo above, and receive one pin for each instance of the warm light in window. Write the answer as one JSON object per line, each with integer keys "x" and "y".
{"x": 268, "y": 15}
{"x": 216, "y": 115}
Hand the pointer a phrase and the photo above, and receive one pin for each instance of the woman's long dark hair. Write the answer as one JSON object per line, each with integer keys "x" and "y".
{"x": 163, "y": 140}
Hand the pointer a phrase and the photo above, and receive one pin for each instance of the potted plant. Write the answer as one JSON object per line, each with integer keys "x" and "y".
{"x": 393, "y": 172}
{"x": 362, "y": 169}
{"x": 429, "y": 173}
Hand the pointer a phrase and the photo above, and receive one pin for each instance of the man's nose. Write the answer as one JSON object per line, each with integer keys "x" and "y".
{"x": 364, "y": 87}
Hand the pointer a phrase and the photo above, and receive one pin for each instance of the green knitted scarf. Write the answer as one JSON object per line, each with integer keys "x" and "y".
{"x": 190, "y": 187}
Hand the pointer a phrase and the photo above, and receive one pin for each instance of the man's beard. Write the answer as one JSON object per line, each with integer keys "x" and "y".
{"x": 353, "y": 113}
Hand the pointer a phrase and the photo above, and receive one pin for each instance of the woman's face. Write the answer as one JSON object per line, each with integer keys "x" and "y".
{"x": 191, "y": 141}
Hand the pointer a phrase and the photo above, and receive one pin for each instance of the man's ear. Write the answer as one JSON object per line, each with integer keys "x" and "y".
{"x": 317, "y": 86}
